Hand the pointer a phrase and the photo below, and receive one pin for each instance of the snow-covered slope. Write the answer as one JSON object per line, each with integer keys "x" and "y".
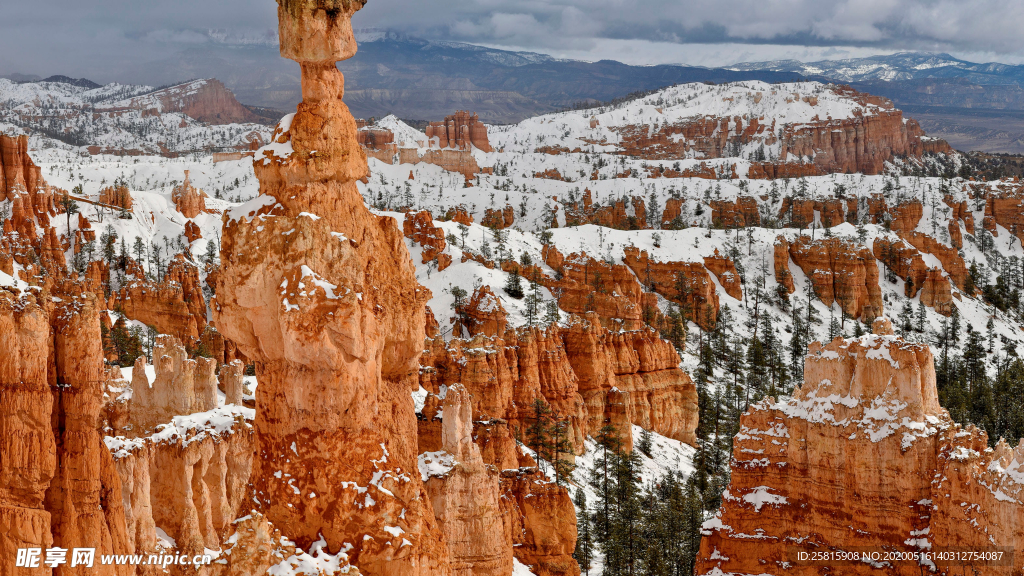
{"x": 599, "y": 130}
{"x": 120, "y": 119}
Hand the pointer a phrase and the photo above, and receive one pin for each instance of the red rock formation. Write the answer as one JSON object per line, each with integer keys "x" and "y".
{"x": 673, "y": 210}
{"x": 590, "y": 285}
{"x": 190, "y": 479}
{"x": 798, "y": 212}
{"x": 622, "y": 214}
{"x": 936, "y": 292}
{"x": 589, "y": 376}
{"x": 960, "y": 212}
{"x": 483, "y": 314}
{"x": 207, "y": 101}
{"x": 840, "y": 271}
{"x": 739, "y": 214}
{"x": 950, "y": 258}
{"x": 906, "y": 216}
{"x": 698, "y": 298}
{"x": 188, "y": 199}
{"x": 781, "y": 262}
{"x": 499, "y": 219}
{"x": 453, "y": 160}
{"x": 333, "y": 317}
{"x": 182, "y": 386}
{"x": 862, "y": 143}
{"x": 901, "y": 475}
{"x": 904, "y": 260}
{"x": 1005, "y": 207}
{"x": 725, "y": 269}
{"x": 459, "y": 131}
{"x": 774, "y": 170}
{"x": 378, "y": 143}
{"x": 543, "y": 522}
{"x": 192, "y": 232}
{"x": 58, "y": 485}
{"x": 419, "y": 227}
{"x": 175, "y": 306}
{"x": 465, "y": 497}
{"x": 117, "y": 195}
{"x": 17, "y": 171}
{"x": 458, "y": 214}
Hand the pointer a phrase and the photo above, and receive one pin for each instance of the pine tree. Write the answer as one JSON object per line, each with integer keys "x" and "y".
{"x": 644, "y": 445}
{"x": 514, "y": 285}
{"x": 538, "y": 433}
{"x": 584, "y": 553}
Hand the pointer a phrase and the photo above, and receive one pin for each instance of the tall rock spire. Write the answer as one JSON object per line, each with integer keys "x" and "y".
{"x": 322, "y": 295}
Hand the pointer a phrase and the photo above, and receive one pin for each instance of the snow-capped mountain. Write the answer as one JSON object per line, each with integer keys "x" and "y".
{"x": 900, "y": 66}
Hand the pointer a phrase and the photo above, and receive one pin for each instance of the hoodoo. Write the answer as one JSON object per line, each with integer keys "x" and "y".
{"x": 863, "y": 457}
{"x": 322, "y": 295}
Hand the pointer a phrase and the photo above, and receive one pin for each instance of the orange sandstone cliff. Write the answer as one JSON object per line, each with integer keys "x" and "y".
{"x": 863, "y": 456}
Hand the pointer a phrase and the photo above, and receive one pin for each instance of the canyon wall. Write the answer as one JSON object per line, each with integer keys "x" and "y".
{"x": 588, "y": 375}
{"x": 861, "y": 143}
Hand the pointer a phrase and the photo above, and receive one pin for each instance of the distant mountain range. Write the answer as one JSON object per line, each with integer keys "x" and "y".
{"x": 974, "y": 106}
{"x": 896, "y": 67}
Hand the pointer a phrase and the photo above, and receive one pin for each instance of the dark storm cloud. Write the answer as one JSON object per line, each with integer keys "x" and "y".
{"x": 102, "y": 38}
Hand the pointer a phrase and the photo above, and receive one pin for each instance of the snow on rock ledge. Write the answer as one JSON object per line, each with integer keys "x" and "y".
{"x": 867, "y": 424}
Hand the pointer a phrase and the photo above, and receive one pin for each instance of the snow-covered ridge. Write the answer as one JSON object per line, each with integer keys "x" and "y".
{"x": 781, "y": 104}
{"x": 119, "y": 118}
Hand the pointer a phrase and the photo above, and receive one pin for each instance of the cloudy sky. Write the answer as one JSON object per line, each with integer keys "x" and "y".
{"x": 102, "y": 38}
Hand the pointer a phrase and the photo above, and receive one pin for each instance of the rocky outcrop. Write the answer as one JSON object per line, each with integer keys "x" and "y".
{"x": 737, "y": 214}
{"x": 543, "y": 522}
{"x": 875, "y": 133}
{"x": 483, "y": 314}
{"x": 18, "y": 173}
{"x": 465, "y": 497}
{"x": 781, "y": 265}
{"x": 906, "y": 216}
{"x": 192, "y": 232}
{"x": 686, "y": 283}
{"x": 936, "y": 292}
{"x": 840, "y": 272}
{"x": 116, "y": 195}
{"x": 588, "y": 375}
{"x": 901, "y": 475}
{"x": 378, "y": 143}
{"x": 459, "y": 130}
{"x": 58, "y": 485}
{"x": 499, "y": 219}
{"x": 453, "y": 160}
{"x": 904, "y": 260}
{"x": 181, "y": 387}
{"x": 188, "y": 199}
{"x": 419, "y": 227}
{"x": 174, "y": 306}
{"x": 725, "y": 269}
{"x": 333, "y": 316}
{"x": 589, "y": 285}
{"x": 189, "y": 479}
{"x": 950, "y": 258}
{"x": 621, "y": 214}
{"x": 206, "y": 100}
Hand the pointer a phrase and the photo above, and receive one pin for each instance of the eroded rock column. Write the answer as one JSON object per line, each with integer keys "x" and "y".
{"x": 323, "y": 296}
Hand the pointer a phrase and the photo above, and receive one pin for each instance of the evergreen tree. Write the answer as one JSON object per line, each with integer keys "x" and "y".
{"x": 514, "y": 285}
{"x": 584, "y": 553}
{"x": 644, "y": 445}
